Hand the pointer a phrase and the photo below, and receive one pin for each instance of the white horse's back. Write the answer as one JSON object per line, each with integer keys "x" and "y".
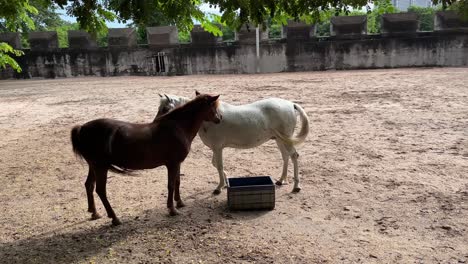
{"x": 250, "y": 125}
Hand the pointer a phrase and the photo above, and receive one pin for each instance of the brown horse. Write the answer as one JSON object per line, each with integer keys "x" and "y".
{"x": 122, "y": 147}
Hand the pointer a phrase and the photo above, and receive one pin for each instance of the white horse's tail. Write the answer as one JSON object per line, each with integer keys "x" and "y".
{"x": 304, "y": 132}
{"x": 302, "y": 135}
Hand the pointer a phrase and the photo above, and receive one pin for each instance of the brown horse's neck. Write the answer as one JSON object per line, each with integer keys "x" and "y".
{"x": 189, "y": 116}
{"x": 191, "y": 125}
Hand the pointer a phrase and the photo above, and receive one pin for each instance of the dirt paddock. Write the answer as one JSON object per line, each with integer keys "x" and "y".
{"x": 384, "y": 173}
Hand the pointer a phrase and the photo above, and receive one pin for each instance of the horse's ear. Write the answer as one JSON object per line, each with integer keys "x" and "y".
{"x": 160, "y": 95}
{"x": 214, "y": 98}
{"x": 197, "y": 93}
{"x": 167, "y": 97}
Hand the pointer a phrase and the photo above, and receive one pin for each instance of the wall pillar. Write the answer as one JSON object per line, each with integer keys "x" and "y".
{"x": 11, "y": 38}
{"x": 46, "y": 40}
{"x": 162, "y": 36}
{"x": 348, "y": 26}
{"x": 399, "y": 23}
{"x": 122, "y": 37}
{"x": 80, "y": 39}
{"x": 247, "y": 34}
{"x": 199, "y": 36}
{"x": 298, "y": 31}
{"x": 449, "y": 21}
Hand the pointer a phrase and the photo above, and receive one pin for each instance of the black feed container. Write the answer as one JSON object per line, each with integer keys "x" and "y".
{"x": 251, "y": 193}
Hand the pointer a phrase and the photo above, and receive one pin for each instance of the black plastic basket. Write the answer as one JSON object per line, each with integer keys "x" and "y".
{"x": 251, "y": 193}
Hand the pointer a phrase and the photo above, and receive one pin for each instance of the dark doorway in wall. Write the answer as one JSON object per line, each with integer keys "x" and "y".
{"x": 160, "y": 63}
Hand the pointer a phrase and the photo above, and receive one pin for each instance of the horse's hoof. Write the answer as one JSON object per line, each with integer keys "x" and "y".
{"x": 173, "y": 212}
{"x": 116, "y": 222}
{"x": 95, "y": 216}
{"x": 279, "y": 183}
{"x": 216, "y": 192}
{"x": 180, "y": 204}
{"x": 296, "y": 190}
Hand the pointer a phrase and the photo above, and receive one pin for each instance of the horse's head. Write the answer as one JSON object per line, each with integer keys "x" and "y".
{"x": 167, "y": 103}
{"x": 212, "y": 103}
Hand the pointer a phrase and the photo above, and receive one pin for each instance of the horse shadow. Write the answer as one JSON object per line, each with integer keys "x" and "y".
{"x": 217, "y": 206}
{"x": 61, "y": 246}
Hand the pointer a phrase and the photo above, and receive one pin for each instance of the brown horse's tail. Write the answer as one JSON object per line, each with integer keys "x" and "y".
{"x": 77, "y": 149}
{"x": 119, "y": 170}
{"x": 75, "y": 139}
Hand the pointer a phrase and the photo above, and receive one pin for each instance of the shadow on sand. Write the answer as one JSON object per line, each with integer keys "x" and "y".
{"x": 62, "y": 246}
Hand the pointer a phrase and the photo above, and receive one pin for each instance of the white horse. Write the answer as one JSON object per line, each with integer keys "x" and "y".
{"x": 249, "y": 126}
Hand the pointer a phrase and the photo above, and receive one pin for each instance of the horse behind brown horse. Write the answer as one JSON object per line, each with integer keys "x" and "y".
{"x": 122, "y": 147}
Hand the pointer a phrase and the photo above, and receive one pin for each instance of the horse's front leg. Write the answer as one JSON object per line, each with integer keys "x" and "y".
{"x": 218, "y": 164}
{"x": 177, "y": 198}
{"x": 172, "y": 171}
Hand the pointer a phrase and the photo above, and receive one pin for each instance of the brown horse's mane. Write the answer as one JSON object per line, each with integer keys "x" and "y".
{"x": 182, "y": 109}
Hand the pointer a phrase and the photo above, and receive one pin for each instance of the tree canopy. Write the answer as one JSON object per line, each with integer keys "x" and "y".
{"x": 91, "y": 15}
{"x": 13, "y": 15}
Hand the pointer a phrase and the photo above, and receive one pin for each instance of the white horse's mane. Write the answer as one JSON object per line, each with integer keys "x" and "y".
{"x": 164, "y": 98}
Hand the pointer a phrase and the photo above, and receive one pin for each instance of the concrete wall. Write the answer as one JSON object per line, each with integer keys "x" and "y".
{"x": 421, "y": 49}
{"x": 428, "y": 49}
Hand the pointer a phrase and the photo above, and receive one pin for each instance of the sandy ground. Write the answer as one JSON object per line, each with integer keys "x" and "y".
{"x": 384, "y": 173}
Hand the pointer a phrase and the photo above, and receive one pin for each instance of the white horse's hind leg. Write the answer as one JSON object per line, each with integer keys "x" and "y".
{"x": 290, "y": 151}
{"x": 285, "y": 155}
{"x": 217, "y": 162}
{"x": 294, "y": 157}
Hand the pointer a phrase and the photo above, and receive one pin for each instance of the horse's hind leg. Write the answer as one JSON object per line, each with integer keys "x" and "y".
{"x": 217, "y": 162}
{"x": 291, "y": 151}
{"x": 285, "y": 155}
{"x": 294, "y": 158}
{"x": 89, "y": 185}
{"x": 101, "y": 182}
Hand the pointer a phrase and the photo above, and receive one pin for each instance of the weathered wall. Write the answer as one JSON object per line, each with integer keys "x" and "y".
{"x": 429, "y": 49}
{"x": 426, "y": 49}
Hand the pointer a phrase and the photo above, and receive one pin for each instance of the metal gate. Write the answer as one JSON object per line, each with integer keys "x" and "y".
{"x": 159, "y": 63}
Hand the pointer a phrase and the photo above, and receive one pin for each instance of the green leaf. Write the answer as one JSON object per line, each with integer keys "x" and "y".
{"x": 6, "y": 59}
{"x": 211, "y": 27}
